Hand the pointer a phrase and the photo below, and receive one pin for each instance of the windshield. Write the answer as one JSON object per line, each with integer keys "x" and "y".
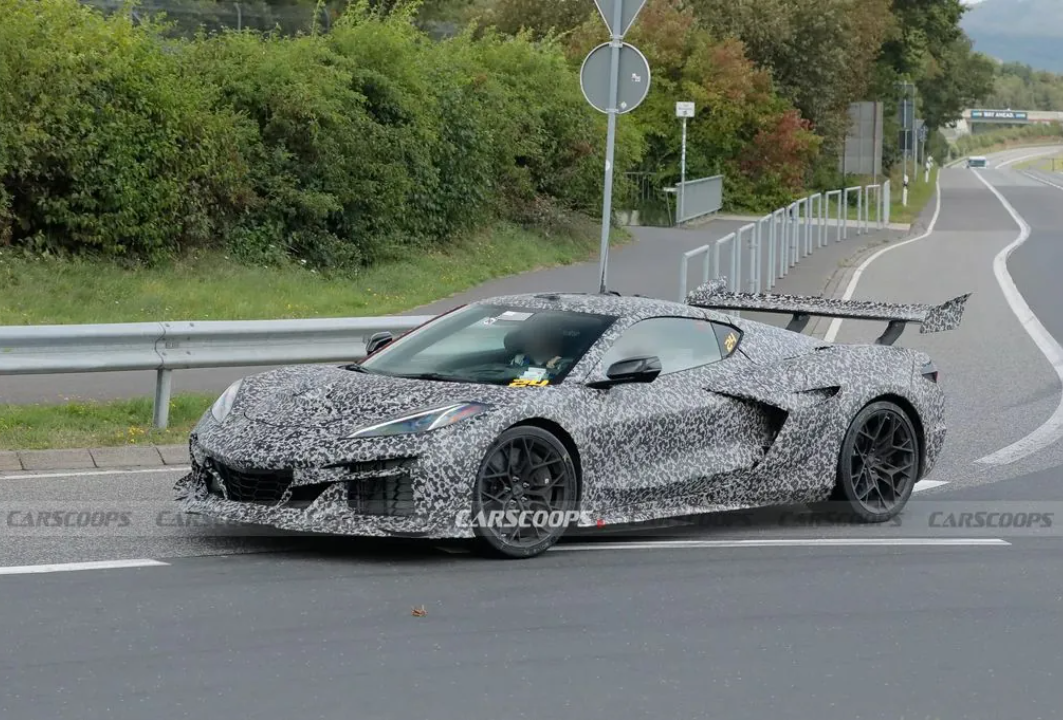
{"x": 493, "y": 344}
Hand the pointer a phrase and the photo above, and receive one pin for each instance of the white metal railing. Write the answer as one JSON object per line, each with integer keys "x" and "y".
{"x": 165, "y": 347}
{"x": 764, "y": 251}
{"x": 698, "y": 198}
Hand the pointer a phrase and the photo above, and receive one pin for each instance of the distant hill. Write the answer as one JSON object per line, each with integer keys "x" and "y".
{"x": 1026, "y": 31}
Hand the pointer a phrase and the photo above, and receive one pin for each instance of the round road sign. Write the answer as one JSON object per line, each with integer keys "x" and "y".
{"x": 633, "y": 82}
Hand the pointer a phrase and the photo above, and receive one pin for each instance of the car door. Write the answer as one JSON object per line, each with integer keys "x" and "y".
{"x": 668, "y": 439}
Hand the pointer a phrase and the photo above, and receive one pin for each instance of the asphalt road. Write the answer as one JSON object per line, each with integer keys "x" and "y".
{"x": 953, "y": 614}
{"x": 648, "y": 266}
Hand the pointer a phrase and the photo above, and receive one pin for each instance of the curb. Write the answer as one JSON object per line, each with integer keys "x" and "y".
{"x": 108, "y": 458}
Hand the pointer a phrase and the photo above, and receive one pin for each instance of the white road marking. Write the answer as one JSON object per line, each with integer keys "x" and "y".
{"x": 1052, "y": 429}
{"x": 928, "y": 485}
{"x": 795, "y": 542}
{"x": 82, "y": 473}
{"x": 71, "y": 567}
{"x": 836, "y": 323}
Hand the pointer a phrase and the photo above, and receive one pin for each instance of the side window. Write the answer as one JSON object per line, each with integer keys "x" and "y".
{"x": 680, "y": 343}
{"x": 729, "y": 337}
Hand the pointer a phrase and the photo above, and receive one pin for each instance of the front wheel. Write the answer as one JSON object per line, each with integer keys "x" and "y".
{"x": 525, "y": 494}
{"x": 879, "y": 462}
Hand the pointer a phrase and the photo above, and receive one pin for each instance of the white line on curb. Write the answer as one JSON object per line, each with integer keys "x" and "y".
{"x": 71, "y": 567}
{"x": 796, "y": 542}
{"x": 928, "y": 485}
{"x": 836, "y": 323}
{"x": 1052, "y": 429}
{"x": 80, "y": 473}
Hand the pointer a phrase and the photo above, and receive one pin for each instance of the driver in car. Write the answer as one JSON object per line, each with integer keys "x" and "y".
{"x": 543, "y": 346}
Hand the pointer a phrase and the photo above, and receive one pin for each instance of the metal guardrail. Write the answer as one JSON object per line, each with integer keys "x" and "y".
{"x": 165, "y": 347}
{"x": 790, "y": 234}
{"x": 699, "y": 198}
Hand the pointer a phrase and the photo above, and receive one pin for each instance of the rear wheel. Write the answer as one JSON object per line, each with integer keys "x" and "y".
{"x": 524, "y": 494}
{"x": 879, "y": 462}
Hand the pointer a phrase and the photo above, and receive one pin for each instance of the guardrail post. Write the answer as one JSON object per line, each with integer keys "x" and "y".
{"x": 754, "y": 256}
{"x": 843, "y": 215}
{"x": 163, "y": 386}
{"x": 821, "y": 239}
{"x": 770, "y": 274}
{"x": 860, "y": 209}
{"x": 784, "y": 242}
{"x": 808, "y": 225}
{"x": 684, "y": 268}
{"x": 794, "y": 251}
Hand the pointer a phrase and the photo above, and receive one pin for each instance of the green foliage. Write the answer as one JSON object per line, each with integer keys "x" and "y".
{"x": 338, "y": 149}
{"x": 104, "y": 143}
{"x": 1020, "y": 87}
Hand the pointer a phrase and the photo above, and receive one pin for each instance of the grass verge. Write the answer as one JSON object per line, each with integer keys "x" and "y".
{"x": 1053, "y": 163}
{"x": 92, "y": 424}
{"x": 48, "y": 290}
{"x": 920, "y": 193}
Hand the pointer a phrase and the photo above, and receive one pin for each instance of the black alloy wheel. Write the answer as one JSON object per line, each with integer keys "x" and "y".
{"x": 524, "y": 494}
{"x": 879, "y": 462}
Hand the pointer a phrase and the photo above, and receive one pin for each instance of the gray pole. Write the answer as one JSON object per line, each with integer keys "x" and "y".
{"x": 683, "y": 174}
{"x": 607, "y": 202}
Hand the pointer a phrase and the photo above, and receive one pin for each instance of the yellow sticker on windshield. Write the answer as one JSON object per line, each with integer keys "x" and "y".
{"x": 729, "y": 341}
{"x": 522, "y": 382}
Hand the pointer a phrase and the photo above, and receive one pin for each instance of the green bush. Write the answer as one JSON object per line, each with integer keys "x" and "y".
{"x": 104, "y": 144}
{"x": 335, "y": 149}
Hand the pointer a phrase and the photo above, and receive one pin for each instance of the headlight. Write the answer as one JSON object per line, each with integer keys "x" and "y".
{"x": 221, "y": 407}
{"x": 422, "y": 421}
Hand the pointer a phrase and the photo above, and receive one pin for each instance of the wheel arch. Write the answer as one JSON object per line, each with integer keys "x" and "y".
{"x": 561, "y": 434}
{"x": 920, "y": 430}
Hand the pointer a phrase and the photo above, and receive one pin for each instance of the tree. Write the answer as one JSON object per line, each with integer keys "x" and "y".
{"x": 742, "y": 128}
{"x": 540, "y": 17}
{"x": 821, "y": 53}
{"x": 956, "y": 78}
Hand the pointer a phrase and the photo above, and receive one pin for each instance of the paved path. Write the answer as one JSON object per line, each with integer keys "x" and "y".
{"x": 999, "y": 383}
{"x": 648, "y": 266}
{"x": 953, "y": 614}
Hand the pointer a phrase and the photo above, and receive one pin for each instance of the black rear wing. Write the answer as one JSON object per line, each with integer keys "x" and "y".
{"x": 931, "y": 318}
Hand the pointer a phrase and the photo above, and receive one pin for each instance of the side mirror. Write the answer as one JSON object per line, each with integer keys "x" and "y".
{"x": 377, "y": 341}
{"x": 643, "y": 369}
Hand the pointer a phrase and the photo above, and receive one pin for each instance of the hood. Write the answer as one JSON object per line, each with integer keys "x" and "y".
{"x": 315, "y": 397}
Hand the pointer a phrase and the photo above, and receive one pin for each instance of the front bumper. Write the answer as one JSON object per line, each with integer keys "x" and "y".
{"x": 395, "y": 495}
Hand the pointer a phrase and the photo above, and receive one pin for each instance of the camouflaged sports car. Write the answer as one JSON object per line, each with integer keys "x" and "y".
{"x": 509, "y": 420}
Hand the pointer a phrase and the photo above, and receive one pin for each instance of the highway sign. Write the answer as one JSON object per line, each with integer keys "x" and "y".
{"x": 1000, "y": 115}
{"x": 628, "y": 10}
{"x": 684, "y": 109}
{"x": 633, "y": 78}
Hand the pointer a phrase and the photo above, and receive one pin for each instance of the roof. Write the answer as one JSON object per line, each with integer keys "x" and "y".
{"x": 630, "y": 306}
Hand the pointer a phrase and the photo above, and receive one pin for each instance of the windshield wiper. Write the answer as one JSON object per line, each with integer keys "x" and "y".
{"x": 430, "y": 376}
{"x": 355, "y": 367}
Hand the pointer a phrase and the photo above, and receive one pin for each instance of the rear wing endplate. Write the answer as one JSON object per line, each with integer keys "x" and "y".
{"x": 931, "y": 318}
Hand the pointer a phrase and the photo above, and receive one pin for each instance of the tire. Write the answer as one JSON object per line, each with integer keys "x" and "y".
{"x": 873, "y": 479}
{"x": 494, "y": 493}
